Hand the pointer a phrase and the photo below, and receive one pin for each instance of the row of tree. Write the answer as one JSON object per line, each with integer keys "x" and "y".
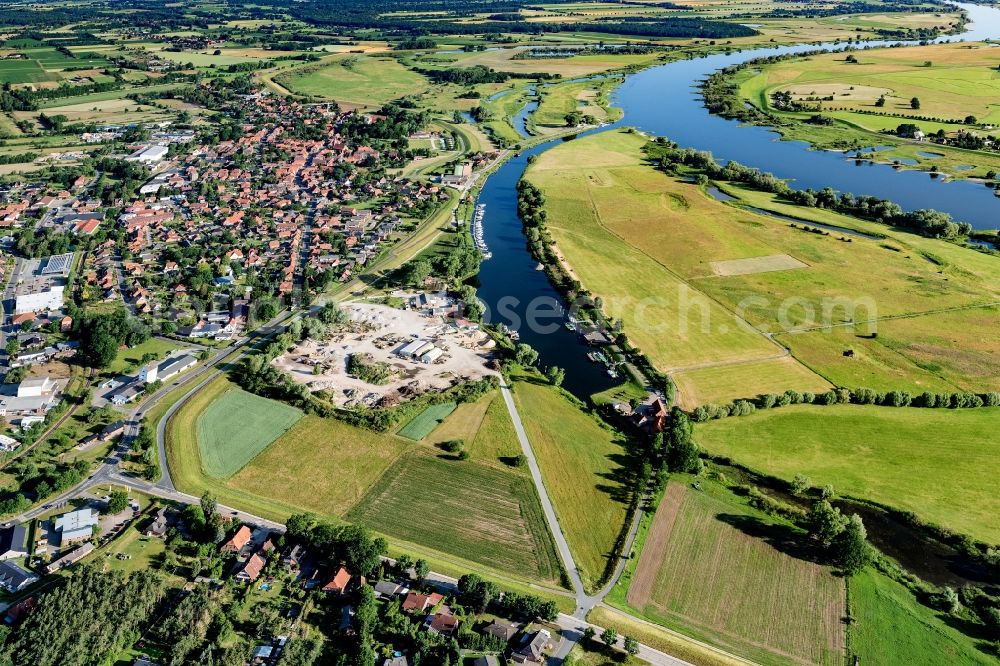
{"x": 927, "y": 222}
{"x": 843, "y": 396}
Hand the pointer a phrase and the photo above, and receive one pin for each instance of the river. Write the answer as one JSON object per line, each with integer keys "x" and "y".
{"x": 665, "y": 101}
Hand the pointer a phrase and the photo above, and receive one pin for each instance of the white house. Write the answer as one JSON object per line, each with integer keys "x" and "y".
{"x": 167, "y": 369}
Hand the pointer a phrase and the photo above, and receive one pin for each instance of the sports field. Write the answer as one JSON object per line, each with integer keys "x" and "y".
{"x": 714, "y": 570}
{"x": 356, "y": 80}
{"x": 584, "y": 467}
{"x": 893, "y": 628}
{"x": 236, "y": 427}
{"x": 476, "y": 512}
{"x": 426, "y": 421}
{"x": 937, "y": 463}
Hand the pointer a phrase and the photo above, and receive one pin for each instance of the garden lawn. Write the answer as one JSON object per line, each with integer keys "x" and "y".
{"x": 128, "y": 359}
{"x": 237, "y": 426}
{"x": 585, "y": 470}
{"x": 891, "y": 627}
{"x": 426, "y": 421}
{"x": 937, "y": 463}
{"x": 479, "y": 513}
{"x": 720, "y": 572}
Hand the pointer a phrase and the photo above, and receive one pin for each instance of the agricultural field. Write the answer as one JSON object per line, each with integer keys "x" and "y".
{"x": 321, "y": 465}
{"x": 618, "y": 224}
{"x": 339, "y": 471}
{"x": 722, "y": 384}
{"x": 718, "y": 571}
{"x": 476, "y": 512}
{"x": 578, "y": 65}
{"x": 947, "y": 351}
{"x": 426, "y": 421}
{"x": 586, "y": 471}
{"x": 236, "y": 427}
{"x": 937, "y": 463}
{"x": 961, "y": 79}
{"x": 42, "y": 65}
{"x": 102, "y": 111}
{"x": 917, "y": 637}
{"x": 356, "y": 80}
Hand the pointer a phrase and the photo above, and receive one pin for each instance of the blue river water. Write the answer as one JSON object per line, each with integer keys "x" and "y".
{"x": 665, "y": 101}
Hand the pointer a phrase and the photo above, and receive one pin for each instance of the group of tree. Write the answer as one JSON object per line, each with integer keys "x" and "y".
{"x": 42, "y": 243}
{"x": 483, "y": 595}
{"x": 842, "y": 539}
{"x": 103, "y": 333}
{"x": 681, "y": 450}
{"x": 352, "y": 546}
{"x": 86, "y": 619}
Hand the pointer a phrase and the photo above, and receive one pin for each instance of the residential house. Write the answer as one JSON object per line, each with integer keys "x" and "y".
{"x": 487, "y": 660}
{"x": 337, "y": 584}
{"x": 238, "y": 541}
{"x": 251, "y": 569}
{"x": 443, "y": 623}
{"x": 401, "y": 660}
{"x": 158, "y": 525}
{"x": 416, "y": 602}
{"x": 386, "y": 589}
{"x": 502, "y": 630}
{"x": 14, "y": 577}
{"x": 531, "y": 650}
{"x": 20, "y": 610}
{"x": 13, "y": 542}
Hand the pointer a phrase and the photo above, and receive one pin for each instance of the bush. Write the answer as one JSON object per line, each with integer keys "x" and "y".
{"x": 452, "y": 445}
